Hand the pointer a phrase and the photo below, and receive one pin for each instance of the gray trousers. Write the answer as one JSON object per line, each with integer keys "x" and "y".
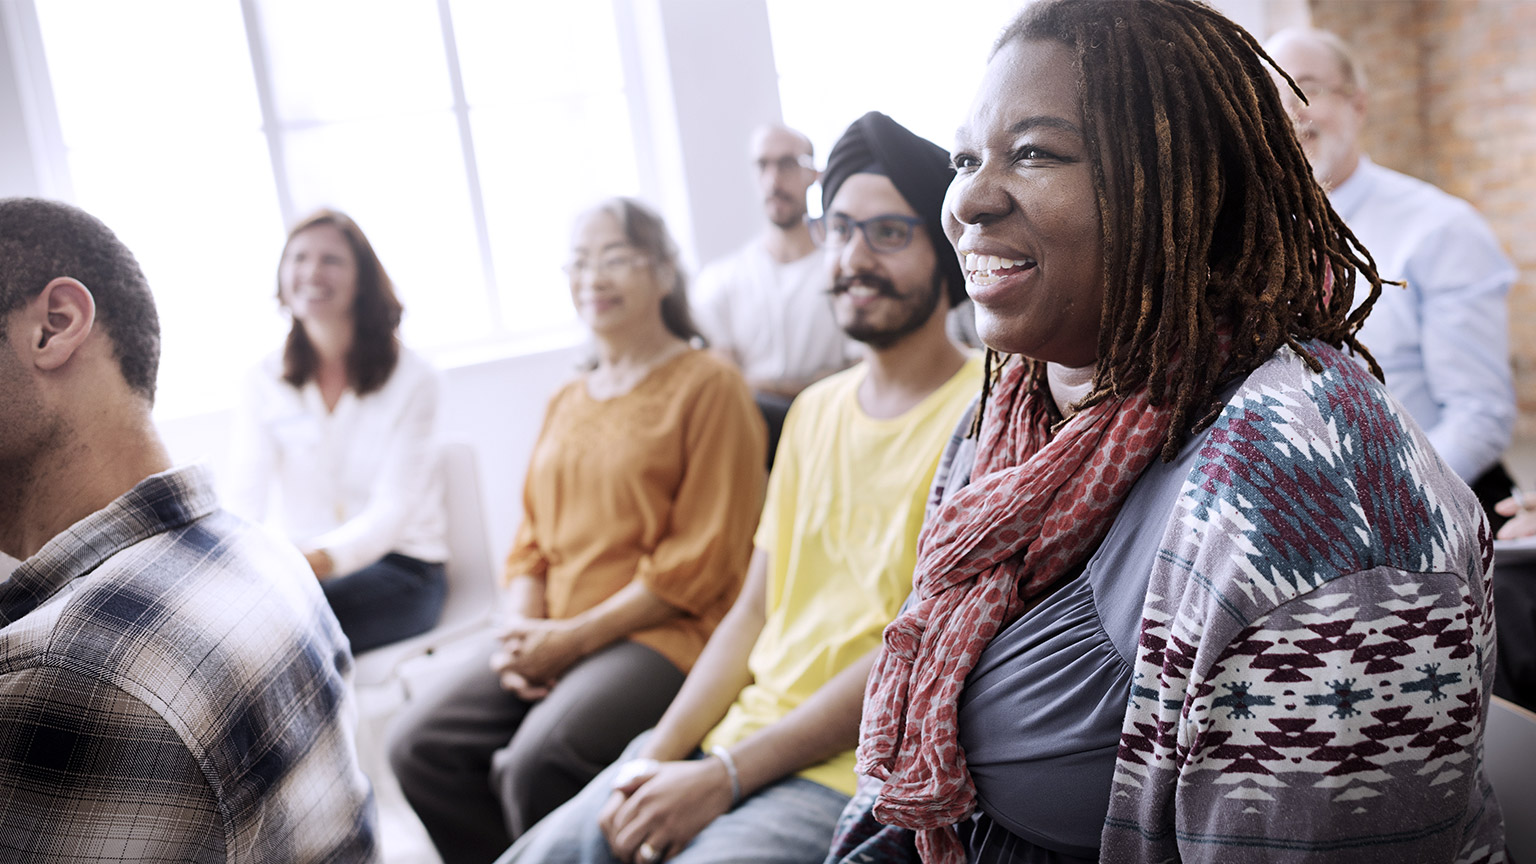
{"x": 480, "y": 766}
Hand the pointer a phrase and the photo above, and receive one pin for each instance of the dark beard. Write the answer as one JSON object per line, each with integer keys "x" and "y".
{"x": 919, "y": 310}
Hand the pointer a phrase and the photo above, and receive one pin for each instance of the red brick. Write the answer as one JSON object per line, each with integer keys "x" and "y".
{"x": 1454, "y": 102}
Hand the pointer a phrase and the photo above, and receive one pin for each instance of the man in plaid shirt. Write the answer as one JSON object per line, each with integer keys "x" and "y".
{"x": 172, "y": 685}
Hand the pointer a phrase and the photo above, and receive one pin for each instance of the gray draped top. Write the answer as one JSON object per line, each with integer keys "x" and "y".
{"x": 1041, "y": 713}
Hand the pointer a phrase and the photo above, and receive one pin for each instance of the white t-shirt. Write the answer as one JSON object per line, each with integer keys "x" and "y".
{"x": 774, "y": 319}
{"x": 360, "y": 481}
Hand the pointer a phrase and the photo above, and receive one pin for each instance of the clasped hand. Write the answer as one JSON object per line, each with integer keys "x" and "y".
{"x": 665, "y": 809}
{"x": 1522, "y": 513}
{"x": 534, "y": 653}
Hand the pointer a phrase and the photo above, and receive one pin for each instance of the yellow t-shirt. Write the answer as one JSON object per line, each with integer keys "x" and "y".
{"x": 840, "y": 524}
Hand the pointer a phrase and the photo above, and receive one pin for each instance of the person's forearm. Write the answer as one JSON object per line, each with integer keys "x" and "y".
{"x": 1469, "y": 439}
{"x": 717, "y": 678}
{"x": 633, "y": 608}
{"x": 818, "y": 729}
{"x": 721, "y": 672}
{"x": 524, "y": 597}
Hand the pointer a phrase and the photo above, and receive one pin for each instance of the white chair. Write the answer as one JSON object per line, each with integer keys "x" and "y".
{"x": 382, "y": 677}
{"x": 1509, "y": 758}
{"x": 471, "y": 580}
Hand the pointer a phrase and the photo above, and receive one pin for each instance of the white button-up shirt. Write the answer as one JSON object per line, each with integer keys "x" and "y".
{"x": 360, "y": 481}
{"x": 1443, "y": 341}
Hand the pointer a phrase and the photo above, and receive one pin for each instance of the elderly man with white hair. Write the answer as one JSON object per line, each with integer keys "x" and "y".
{"x": 1443, "y": 338}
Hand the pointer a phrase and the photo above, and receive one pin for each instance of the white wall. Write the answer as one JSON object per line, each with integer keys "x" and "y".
{"x": 1263, "y": 18}
{"x": 18, "y": 174}
{"x": 724, "y": 85}
{"x": 702, "y": 78}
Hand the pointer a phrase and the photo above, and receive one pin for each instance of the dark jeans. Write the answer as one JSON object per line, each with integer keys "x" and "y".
{"x": 1514, "y": 609}
{"x": 480, "y": 766}
{"x": 391, "y": 599}
{"x": 1491, "y": 487}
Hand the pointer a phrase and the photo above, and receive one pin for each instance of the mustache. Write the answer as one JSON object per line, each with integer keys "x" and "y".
{"x": 884, "y": 286}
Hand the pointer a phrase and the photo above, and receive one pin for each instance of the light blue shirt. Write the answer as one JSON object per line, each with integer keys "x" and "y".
{"x": 1443, "y": 342}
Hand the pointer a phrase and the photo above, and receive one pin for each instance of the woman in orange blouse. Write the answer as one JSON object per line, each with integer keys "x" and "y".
{"x": 639, "y": 507}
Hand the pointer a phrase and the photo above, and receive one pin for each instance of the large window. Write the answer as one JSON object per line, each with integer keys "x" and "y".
{"x": 462, "y": 135}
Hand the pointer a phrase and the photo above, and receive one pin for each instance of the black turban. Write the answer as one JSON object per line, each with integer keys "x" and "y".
{"x": 919, "y": 168}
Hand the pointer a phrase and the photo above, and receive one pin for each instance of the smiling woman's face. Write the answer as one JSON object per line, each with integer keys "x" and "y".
{"x": 613, "y": 285}
{"x": 1022, "y": 212}
{"x": 317, "y": 277}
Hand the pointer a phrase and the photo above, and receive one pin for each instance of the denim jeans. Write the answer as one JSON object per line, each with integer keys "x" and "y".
{"x": 788, "y": 822}
{"x": 391, "y": 599}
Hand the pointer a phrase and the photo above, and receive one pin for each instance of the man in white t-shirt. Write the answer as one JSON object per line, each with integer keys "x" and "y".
{"x": 765, "y": 307}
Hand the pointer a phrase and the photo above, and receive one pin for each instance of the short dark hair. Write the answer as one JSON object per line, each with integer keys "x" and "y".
{"x": 376, "y": 314}
{"x": 1215, "y": 231}
{"x": 42, "y": 240}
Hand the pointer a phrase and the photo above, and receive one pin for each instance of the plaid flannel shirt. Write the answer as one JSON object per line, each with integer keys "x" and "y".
{"x": 174, "y": 688}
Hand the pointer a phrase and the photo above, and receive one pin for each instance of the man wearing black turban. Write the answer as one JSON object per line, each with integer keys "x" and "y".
{"x": 753, "y": 761}
{"x": 920, "y": 170}
{"x": 876, "y": 144}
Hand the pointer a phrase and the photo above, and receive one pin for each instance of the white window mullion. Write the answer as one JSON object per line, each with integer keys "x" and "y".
{"x": 471, "y": 167}
{"x": 270, "y": 124}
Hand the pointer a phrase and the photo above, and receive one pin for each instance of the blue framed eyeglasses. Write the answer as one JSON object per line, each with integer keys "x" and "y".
{"x": 889, "y": 232}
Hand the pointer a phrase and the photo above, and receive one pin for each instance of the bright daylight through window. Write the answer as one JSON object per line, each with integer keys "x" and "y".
{"x": 199, "y": 129}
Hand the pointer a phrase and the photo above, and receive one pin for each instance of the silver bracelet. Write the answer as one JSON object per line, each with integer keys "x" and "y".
{"x": 724, "y": 756}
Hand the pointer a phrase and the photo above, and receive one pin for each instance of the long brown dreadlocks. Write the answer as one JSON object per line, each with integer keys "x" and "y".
{"x": 1216, "y": 236}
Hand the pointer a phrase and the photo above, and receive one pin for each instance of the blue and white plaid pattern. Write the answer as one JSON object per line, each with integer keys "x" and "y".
{"x": 174, "y": 688}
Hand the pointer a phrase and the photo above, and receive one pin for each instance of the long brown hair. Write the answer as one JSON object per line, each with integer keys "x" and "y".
{"x": 1218, "y": 243}
{"x": 375, "y": 314}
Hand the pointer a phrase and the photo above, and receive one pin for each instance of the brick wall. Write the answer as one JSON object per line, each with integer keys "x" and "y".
{"x": 1453, "y": 100}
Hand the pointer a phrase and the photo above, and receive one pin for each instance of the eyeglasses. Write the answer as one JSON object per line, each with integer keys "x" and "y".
{"x": 609, "y": 264}
{"x": 1314, "y": 89}
{"x": 890, "y": 232}
{"x": 785, "y": 164}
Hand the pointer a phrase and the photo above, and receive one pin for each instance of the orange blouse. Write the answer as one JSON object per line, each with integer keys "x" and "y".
{"x": 663, "y": 484}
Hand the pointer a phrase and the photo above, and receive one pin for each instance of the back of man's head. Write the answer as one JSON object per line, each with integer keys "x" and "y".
{"x": 43, "y": 240}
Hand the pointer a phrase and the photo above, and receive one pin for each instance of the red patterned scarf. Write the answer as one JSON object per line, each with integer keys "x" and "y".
{"x": 1036, "y": 506}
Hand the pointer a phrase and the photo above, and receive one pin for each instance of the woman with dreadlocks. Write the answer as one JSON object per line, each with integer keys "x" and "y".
{"x": 1193, "y": 587}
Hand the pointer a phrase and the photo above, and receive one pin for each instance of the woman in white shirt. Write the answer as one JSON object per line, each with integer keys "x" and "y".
{"x": 341, "y": 423}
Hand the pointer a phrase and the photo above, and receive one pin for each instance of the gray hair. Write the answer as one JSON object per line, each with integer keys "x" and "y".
{"x": 645, "y": 230}
{"x": 1343, "y": 52}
